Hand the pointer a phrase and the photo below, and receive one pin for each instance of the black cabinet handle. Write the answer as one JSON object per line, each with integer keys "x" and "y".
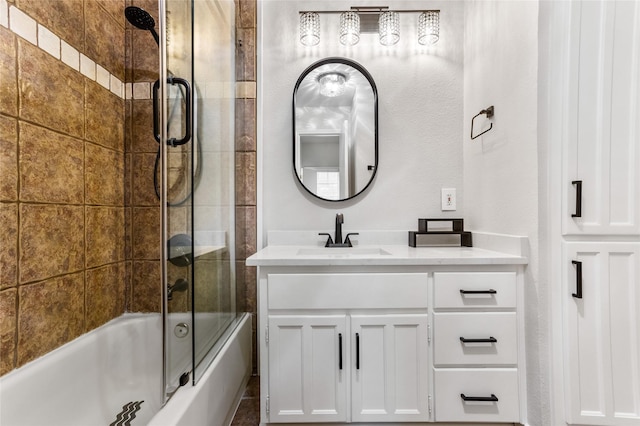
{"x": 490, "y": 291}
{"x": 340, "y": 351}
{"x": 492, "y": 398}
{"x": 578, "y": 293}
{"x": 357, "y": 351}
{"x": 578, "y": 184}
{"x": 489, "y": 340}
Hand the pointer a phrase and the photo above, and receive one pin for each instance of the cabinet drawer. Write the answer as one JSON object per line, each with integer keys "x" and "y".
{"x": 485, "y": 383}
{"x": 347, "y": 291}
{"x": 499, "y": 328}
{"x": 474, "y": 290}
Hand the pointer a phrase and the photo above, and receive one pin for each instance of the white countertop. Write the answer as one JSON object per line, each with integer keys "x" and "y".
{"x": 305, "y": 248}
{"x": 398, "y": 255}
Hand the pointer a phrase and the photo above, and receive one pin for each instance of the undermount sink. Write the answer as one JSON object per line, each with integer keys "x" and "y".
{"x": 343, "y": 251}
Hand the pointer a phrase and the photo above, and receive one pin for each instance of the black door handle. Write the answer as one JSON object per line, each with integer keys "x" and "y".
{"x": 578, "y": 293}
{"x": 340, "y": 351}
{"x": 489, "y": 340}
{"x": 490, "y": 291}
{"x": 492, "y": 398}
{"x": 578, "y": 184}
{"x": 357, "y": 351}
{"x": 156, "y": 110}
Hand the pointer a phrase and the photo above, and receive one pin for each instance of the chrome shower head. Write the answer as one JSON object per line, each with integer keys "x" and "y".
{"x": 140, "y": 18}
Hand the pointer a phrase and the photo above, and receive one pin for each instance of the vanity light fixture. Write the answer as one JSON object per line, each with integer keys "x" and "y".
{"x": 332, "y": 84}
{"x": 309, "y": 28}
{"x": 370, "y": 19}
{"x": 429, "y": 27}
{"x": 349, "y": 28}
{"x": 389, "y": 28}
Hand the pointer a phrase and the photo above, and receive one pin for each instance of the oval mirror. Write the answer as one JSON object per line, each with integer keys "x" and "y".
{"x": 335, "y": 129}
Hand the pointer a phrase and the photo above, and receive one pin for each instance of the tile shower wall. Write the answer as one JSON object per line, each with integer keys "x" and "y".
{"x": 79, "y": 243}
{"x": 63, "y": 261}
{"x": 246, "y": 181}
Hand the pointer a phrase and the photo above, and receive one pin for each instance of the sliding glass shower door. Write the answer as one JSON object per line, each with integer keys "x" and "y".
{"x": 196, "y": 98}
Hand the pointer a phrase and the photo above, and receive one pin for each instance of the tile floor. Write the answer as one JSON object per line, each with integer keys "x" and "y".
{"x": 248, "y": 413}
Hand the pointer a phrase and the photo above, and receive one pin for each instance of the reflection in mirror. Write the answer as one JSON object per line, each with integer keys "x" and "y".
{"x": 335, "y": 120}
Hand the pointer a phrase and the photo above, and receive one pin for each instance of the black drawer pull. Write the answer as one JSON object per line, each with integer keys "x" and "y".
{"x": 578, "y": 293}
{"x": 489, "y": 340}
{"x": 491, "y": 398}
{"x": 578, "y": 184}
{"x": 490, "y": 291}
{"x": 340, "y": 350}
{"x": 357, "y": 351}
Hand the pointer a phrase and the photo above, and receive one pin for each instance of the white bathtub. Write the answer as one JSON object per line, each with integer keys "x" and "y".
{"x": 90, "y": 380}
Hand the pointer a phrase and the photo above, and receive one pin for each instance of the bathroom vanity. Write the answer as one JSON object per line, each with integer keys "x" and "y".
{"x": 383, "y": 332}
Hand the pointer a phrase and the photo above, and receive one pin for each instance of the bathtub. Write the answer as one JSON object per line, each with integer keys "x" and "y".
{"x": 113, "y": 375}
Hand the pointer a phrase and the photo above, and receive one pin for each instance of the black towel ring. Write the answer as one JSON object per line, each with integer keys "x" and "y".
{"x": 489, "y": 112}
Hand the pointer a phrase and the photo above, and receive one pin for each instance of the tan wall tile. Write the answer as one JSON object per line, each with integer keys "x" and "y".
{"x": 51, "y": 313}
{"x": 105, "y": 297}
{"x": 8, "y": 74}
{"x": 105, "y": 235}
{"x": 8, "y": 158}
{"x": 115, "y": 8}
{"x": 145, "y": 57}
{"x": 245, "y": 125}
{"x": 142, "y": 139}
{"x": 51, "y": 241}
{"x": 8, "y": 245}
{"x": 104, "y": 39}
{"x": 246, "y": 234}
{"x": 104, "y": 117}
{"x": 146, "y": 233}
{"x": 146, "y": 286}
{"x": 54, "y": 99}
{"x": 246, "y": 178}
{"x": 246, "y": 55}
{"x": 144, "y": 193}
{"x": 104, "y": 176}
{"x": 8, "y": 317}
{"x": 66, "y": 19}
{"x": 51, "y": 166}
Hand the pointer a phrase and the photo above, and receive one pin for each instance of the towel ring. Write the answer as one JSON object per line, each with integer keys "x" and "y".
{"x": 489, "y": 112}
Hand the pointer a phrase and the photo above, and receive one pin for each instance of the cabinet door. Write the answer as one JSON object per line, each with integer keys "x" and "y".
{"x": 306, "y": 382}
{"x": 602, "y": 333}
{"x": 603, "y": 130}
{"x": 389, "y": 368}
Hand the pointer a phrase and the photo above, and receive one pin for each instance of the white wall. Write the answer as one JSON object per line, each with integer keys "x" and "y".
{"x": 420, "y": 116}
{"x": 501, "y": 167}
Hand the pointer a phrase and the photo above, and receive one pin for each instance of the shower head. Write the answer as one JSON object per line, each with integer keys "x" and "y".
{"x": 140, "y": 18}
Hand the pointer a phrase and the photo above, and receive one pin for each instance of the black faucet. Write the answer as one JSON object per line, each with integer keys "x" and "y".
{"x": 338, "y": 235}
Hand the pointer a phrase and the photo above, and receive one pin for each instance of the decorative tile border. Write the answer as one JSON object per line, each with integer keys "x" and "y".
{"x": 37, "y": 34}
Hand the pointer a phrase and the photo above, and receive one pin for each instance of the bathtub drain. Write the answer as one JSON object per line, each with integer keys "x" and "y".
{"x": 128, "y": 413}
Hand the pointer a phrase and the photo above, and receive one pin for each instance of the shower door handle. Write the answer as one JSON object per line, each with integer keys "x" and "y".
{"x": 156, "y": 110}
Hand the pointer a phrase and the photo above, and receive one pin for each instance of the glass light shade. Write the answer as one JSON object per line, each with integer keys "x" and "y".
{"x": 309, "y": 28}
{"x": 429, "y": 27}
{"x": 349, "y": 28}
{"x": 389, "y": 28}
{"x": 332, "y": 84}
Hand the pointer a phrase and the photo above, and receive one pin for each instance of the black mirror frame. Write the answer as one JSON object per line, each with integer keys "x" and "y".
{"x": 366, "y": 74}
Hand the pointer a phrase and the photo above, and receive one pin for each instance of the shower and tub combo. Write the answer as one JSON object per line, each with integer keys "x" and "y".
{"x": 188, "y": 363}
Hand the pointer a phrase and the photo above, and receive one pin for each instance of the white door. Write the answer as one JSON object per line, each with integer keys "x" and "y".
{"x": 308, "y": 371}
{"x": 602, "y": 125}
{"x": 602, "y": 333}
{"x": 389, "y": 368}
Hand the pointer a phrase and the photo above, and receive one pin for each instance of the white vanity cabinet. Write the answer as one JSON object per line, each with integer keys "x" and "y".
{"x": 475, "y": 341}
{"x": 391, "y": 334}
{"x": 346, "y": 347}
